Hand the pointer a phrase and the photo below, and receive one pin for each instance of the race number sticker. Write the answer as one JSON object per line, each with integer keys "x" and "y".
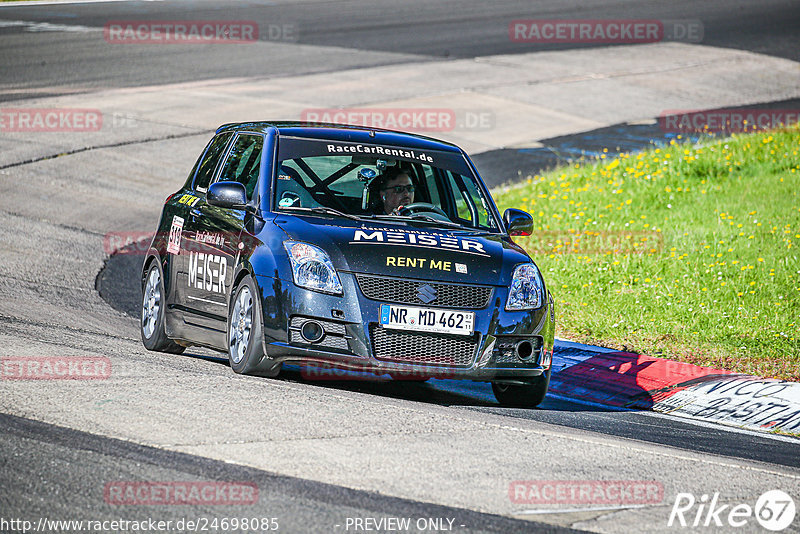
{"x": 175, "y": 231}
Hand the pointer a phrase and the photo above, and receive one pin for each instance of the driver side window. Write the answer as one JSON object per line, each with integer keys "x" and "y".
{"x": 471, "y": 207}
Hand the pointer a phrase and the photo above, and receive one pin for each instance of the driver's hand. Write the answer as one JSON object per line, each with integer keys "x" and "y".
{"x": 397, "y": 210}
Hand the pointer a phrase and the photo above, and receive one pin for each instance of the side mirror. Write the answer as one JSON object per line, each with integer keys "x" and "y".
{"x": 227, "y": 195}
{"x": 518, "y": 222}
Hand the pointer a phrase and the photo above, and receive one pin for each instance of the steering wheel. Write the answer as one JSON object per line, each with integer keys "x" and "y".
{"x": 420, "y": 207}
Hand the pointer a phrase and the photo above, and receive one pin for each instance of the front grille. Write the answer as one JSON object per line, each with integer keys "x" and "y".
{"x": 406, "y": 291}
{"x": 427, "y": 349}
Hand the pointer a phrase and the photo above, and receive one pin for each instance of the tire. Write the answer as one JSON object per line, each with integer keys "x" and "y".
{"x": 528, "y": 396}
{"x": 151, "y": 324}
{"x": 246, "y": 332}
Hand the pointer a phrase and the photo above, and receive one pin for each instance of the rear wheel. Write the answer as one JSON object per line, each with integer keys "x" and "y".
{"x": 245, "y": 333}
{"x": 153, "y": 310}
{"x": 522, "y": 396}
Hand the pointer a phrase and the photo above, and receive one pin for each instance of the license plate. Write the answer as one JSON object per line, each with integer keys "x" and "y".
{"x": 427, "y": 319}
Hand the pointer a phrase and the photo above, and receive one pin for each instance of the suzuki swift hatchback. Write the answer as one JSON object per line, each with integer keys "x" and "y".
{"x": 352, "y": 247}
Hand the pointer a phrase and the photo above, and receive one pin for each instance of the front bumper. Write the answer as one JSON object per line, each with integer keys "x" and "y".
{"x": 353, "y": 338}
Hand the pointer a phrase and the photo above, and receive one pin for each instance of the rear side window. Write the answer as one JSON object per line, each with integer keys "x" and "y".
{"x": 210, "y": 160}
{"x": 244, "y": 162}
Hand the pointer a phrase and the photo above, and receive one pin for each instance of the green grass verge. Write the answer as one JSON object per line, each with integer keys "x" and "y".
{"x": 687, "y": 252}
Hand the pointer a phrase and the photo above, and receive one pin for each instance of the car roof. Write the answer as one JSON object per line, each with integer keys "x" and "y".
{"x": 342, "y": 132}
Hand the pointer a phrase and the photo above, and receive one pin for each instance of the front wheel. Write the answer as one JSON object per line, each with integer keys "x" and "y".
{"x": 151, "y": 326}
{"x": 245, "y": 333}
{"x": 522, "y": 396}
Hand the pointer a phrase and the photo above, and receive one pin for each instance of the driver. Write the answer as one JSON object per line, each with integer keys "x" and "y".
{"x": 397, "y": 190}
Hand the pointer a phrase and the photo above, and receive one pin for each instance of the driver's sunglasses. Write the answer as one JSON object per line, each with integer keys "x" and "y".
{"x": 398, "y": 189}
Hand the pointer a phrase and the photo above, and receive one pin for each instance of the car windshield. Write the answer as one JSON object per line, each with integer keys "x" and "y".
{"x": 371, "y": 181}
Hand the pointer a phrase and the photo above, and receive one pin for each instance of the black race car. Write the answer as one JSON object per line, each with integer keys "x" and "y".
{"x": 362, "y": 249}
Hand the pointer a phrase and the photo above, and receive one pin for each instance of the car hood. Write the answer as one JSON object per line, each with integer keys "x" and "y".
{"x": 408, "y": 250}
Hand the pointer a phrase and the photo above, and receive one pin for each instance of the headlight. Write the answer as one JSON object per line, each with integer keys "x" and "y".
{"x": 526, "y": 291}
{"x": 312, "y": 268}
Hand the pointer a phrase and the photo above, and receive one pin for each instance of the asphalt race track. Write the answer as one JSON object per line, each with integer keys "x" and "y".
{"x": 355, "y": 33}
{"x": 113, "y": 287}
{"x": 338, "y": 455}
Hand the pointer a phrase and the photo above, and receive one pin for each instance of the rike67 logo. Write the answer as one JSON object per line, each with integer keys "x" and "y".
{"x": 774, "y": 510}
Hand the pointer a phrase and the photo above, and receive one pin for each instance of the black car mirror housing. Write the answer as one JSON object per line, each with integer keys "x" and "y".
{"x": 227, "y": 195}
{"x": 518, "y": 222}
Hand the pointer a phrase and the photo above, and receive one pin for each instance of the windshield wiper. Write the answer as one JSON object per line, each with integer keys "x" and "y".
{"x": 326, "y": 210}
{"x": 475, "y": 231}
{"x": 420, "y": 218}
